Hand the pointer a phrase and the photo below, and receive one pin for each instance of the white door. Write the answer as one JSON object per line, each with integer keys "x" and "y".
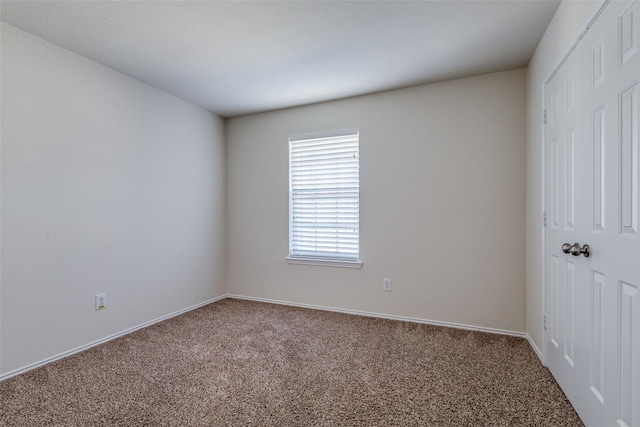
{"x": 565, "y": 273}
{"x": 593, "y": 303}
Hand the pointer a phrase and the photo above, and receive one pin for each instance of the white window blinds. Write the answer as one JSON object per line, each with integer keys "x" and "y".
{"x": 324, "y": 194}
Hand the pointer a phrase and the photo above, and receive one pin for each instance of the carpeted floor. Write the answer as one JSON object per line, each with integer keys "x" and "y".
{"x": 241, "y": 363}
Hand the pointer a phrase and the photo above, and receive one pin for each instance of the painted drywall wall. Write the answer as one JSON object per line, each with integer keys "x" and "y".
{"x": 108, "y": 185}
{"x": 566, "y": 26}
{"x": 442, "y": 203}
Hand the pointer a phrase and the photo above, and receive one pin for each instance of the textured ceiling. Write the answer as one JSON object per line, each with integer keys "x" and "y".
{"x": 240, "y": 57}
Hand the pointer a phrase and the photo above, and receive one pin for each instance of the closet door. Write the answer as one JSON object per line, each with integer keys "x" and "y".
{"x": 564, "y": 149}
{"x": 611, "y": 61}
{"x": 593, "y": 304}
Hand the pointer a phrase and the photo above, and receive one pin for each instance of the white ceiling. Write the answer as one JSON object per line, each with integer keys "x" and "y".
{"x": 240, "y": 57}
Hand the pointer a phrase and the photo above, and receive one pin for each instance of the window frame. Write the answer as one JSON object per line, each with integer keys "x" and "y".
{"x": 318, "y": 258}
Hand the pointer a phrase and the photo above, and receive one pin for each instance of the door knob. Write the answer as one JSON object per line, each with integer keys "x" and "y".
{"x": 576, "y": 250}
{"x": 566, "y": 248}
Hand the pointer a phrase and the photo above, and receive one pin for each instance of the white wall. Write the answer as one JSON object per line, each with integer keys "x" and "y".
{"x": 108, "y": 185}
{"x": 568, "y": 23}
{"x": 442, "y": 203}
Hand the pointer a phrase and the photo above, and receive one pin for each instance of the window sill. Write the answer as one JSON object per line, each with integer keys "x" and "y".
{"x": 324, "y": 262}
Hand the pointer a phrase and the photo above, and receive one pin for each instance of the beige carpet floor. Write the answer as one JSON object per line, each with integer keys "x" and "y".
{"x": 241, "y": 363}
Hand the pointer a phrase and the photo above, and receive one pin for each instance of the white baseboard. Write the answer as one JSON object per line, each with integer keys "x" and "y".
{"x": 272, "y": 301}
{"x": 535, "y": 348}
{"x": 104, "y": 340}
{"x": 384, "y": 316}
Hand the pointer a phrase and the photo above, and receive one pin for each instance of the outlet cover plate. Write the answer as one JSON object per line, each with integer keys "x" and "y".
{"x": 101, "y": 301}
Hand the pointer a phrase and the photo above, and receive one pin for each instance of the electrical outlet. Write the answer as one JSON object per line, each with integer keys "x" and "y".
{"x": 386, "y": 285}
{"x": 101, "y": 301}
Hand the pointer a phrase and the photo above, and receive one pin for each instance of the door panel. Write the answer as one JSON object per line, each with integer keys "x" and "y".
{"x": 598, "y": 170}
{"x": 628, "y": 163}
{"x": 565, "y": 195}
{"x": 629, "y": 353}
{"x": 596, "y": 348}
{"x": 593, "y": 307}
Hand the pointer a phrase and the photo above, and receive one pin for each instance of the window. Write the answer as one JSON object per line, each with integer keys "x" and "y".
{"x": 324, "y": 198}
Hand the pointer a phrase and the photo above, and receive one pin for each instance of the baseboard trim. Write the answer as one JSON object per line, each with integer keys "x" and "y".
{"x": 104, "y": 340}
{"x": 383, "y": 316}
{"x": 272, "y": 301}
{"x": 535, "y": 348}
